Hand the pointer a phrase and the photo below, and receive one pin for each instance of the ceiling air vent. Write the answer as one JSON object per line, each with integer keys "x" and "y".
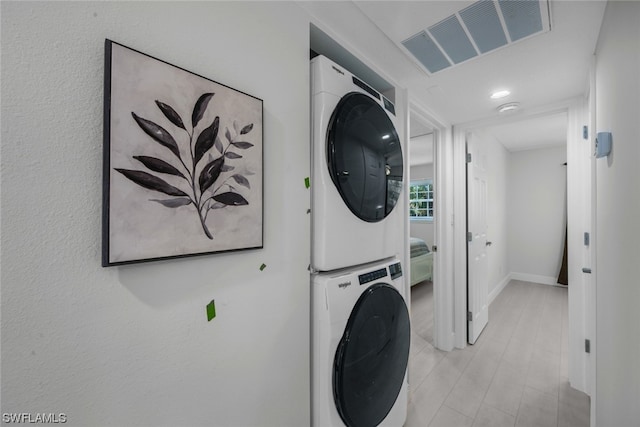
{"x": 453, "y": 40}
{"x": 425, "y": 50}
{"x": 483, "y": 23}
{"x": 522, "y": 18}
{"x": 484, "y": 26}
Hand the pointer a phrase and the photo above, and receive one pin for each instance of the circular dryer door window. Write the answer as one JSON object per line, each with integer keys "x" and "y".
{"x": 372, "y": 356}
{"x": 365, "y": 157}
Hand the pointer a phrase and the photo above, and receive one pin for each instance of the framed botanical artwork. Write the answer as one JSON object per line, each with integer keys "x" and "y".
{"x": 183, "y": 162}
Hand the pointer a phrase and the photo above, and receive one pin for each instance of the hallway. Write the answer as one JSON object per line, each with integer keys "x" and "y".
{"x": 515, "y": 375}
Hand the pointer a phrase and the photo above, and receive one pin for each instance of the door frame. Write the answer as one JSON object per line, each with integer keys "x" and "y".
{"x": 591, "y": 300}
{"x": 443, "y": 292}
{"x": 460, "y": 233}
{"x": 581, "y": 319}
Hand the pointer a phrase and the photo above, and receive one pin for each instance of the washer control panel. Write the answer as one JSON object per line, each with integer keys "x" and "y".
{"x": 395, "y": 270}
{"x": 371, "y": 276}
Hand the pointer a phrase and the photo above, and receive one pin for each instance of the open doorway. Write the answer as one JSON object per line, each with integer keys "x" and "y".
{"x": 422, "y": 217}
{"x": 525, "y": 209}
{"x": 519, "y": 230}
{"x": 422, "y": 198}
{"x": 429, "y": 152}
{"x": 422, "y": 230}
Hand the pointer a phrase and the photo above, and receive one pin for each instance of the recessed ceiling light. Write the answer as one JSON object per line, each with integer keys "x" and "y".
{"x": 500, "y": 94}
{"x": 504, "y": 108}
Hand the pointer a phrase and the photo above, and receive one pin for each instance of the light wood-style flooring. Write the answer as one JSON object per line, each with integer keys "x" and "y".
{"x": 515, "y": 375}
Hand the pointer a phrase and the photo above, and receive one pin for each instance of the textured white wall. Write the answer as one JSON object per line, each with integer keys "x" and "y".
{"x": 131, "y": 345}
{"x": 617, "y": 214}
{"x": 536, "y": 212}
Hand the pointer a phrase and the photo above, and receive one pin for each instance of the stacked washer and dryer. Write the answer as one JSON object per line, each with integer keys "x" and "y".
{"x": 360, "y": 321}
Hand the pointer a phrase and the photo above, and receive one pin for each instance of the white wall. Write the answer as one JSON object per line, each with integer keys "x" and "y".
{"x": 536, "y": 213}
{"x": 421, "y": 228}
{"x": 131, "y": 345}
{"x": 617, "y": 214}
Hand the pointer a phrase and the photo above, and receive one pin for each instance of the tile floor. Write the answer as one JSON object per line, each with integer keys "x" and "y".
{"x": 515, "y": 374}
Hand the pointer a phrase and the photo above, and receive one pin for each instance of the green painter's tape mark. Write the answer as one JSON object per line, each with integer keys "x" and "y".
{"x": 307, "y": 182}
{"x": 263, "y": 266}
{"x": 211, "y": 310}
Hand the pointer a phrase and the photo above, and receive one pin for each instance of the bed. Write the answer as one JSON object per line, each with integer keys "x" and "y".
{"x": 421, "y": 261}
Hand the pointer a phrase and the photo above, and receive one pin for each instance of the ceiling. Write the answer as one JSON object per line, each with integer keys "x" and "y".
{"x": 544, "y": 69}
{"x": 537, "y": 132}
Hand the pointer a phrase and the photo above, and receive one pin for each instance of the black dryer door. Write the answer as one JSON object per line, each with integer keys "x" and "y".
{"x": 371, "y": 360}
{"x": 365, "y": 157}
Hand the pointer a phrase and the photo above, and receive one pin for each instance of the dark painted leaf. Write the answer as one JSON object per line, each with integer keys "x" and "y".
{"x": 219, "y": 146}
{"x": 246, "y": 129}
{"x": 231, "y": 199}
{"x": 158, "y": 133}
{"x": 243, "y": 145}
{"x": 206, "y": 139}
{"x": 200, "y": 108}
{"x": 227, "y": 168}
{"x": 158, "y": 165}
{"x": 151, "y": 182}
{"x": 227, "y": 134}
{"x": 210, "y": 173}
{"x": 232, "y": 155}
{"x": 241, "y": 180}
{"x": 174, "y": 203}
{"x": 170, "y": 114}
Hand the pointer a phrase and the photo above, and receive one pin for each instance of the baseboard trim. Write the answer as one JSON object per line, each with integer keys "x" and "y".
{"x": 499, "y": 287}
{"x": 535, "y": 278}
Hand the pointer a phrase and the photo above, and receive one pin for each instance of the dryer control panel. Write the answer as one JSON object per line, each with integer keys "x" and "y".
{"x": 395, "y": 270}
{"x": 371, "y": 276}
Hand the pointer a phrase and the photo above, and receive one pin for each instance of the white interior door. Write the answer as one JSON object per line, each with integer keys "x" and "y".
{"x": 478, "y": 266}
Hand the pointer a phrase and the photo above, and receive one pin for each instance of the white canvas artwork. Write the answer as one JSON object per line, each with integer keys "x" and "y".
{"x": 182, "y": 162}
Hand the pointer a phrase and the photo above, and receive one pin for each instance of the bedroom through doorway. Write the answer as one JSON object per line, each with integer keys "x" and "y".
{"x": 422, "y": 231}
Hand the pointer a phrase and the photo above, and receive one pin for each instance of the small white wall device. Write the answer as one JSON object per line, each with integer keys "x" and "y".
{"x": 603, "y": 144}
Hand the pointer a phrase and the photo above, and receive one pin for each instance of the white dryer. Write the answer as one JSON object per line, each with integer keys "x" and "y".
{"x": 360, "y": 347}
{"x": 357, "y": 171}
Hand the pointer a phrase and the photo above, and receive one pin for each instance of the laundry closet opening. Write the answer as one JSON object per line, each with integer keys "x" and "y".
{"x": 360, "y": 327}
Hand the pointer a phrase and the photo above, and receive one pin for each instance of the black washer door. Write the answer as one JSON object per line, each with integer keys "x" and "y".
{"x": 372, "y": 356}
{"x": 365, "y": 157}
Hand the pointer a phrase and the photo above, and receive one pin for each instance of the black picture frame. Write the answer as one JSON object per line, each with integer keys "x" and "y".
{"x": 182, "y": 162}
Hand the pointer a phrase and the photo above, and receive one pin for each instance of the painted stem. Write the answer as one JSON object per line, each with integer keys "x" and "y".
{"x": 204, "y": 226}
{"x": 197, "y": 198}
